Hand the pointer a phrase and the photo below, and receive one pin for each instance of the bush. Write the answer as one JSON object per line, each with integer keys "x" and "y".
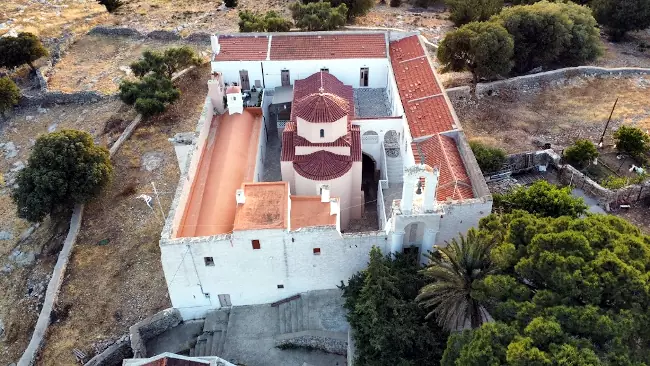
{"x": 355, "y": 8}
{"x": 621, "y": 17}
{"x": 166, "y": 63}
{"x": 395, "y": 3}
{"x": 551, "y": 34}
{"x": 614, "y": 182}
{"x": 541, "y": 198}
{"x": 150, "y": 95}
{"x": 465, "y": 11}
{"x": 230, "y": 3}
{"x": 581, "y": 153}
{"x": 17, "y": 51}
{"x": 632, "y": 140}
{"x": 318, "y": 16}
{"x": 490, "y": 159}
{"x": 63, "y": 169}
{"x": 485, "y": 49}
{"x": 9, "y": 94}
{"x": 111, "y": 5}
{"x": 269, "y": 22}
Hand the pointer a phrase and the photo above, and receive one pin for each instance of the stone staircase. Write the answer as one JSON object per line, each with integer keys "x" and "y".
{"x": 395, "y": 169}
{"x": 293, "y": 316}
{"x": 211, "y": 341}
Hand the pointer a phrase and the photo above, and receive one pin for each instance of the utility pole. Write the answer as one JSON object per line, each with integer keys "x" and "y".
{"x": 600, "y": 143}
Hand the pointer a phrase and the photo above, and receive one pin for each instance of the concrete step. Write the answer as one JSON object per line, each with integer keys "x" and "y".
{"x": 200, "y": 345}
{"x": 214, "y": 345}
{"x": 299, "y": 314}
{"x": 222, "y": 343}
{"x": 294, "y": 316}
{"x": 281, "y": 318}
{"x": 216, "y": 320}
{"x": 192, "y": 352}
{"x": 305, "y": 313}
{"x": 208, "y": 344}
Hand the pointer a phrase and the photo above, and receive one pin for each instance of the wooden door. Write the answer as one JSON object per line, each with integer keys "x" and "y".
{"x": 363, "y": 80}
{"x": 245, "y": 83}
{"x": 285, "y": 78}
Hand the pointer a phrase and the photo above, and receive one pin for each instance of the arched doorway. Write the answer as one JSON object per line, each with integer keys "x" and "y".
{"x": 391, "y": 144}
{"x": 413, "y": 238}
{"x": 369, "y": 177}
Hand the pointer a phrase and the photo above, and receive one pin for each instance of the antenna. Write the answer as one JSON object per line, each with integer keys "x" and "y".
{"x": 600, "y": 143}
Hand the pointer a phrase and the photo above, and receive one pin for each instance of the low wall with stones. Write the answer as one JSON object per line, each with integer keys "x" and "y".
{"x": 151, "y": 327}
{"x": 526, "y": 161}
{"x": 459, "y": 93}
{"x": 330, "y": 342}
{"x": 114, "y": 354}
{"x": 50, "y": 98}
{"x": 159, "y": 35}
{"x": 543, "y": 78}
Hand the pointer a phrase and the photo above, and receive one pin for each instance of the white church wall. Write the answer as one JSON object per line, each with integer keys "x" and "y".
{"x": 340, "y": 187}
{"x": 380, "y": 126}
{"x": 331, "y": 131}
{"x": 460, "y": 217}
{"x": 230, "y": 71}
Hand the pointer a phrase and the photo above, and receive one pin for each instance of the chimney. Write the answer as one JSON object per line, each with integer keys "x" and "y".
{"x": 240, "y": 197}
{"x": 334, "y": 206}
{"x": 325, "y": 194}
{"x": 214, "y": 41}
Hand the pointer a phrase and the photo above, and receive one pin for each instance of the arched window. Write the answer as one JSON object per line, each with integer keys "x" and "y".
{"x": 322, "y": 132}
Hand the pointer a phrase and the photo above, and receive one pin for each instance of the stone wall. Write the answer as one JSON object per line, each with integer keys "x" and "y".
{"x": 159, "y": 35}
{"x": 114, "y": 354}
{"x": 330, "y": 342}
{"x": 57, "y": 97}
{"x": 151, "y": 327}
{"x": 525, "y": 162}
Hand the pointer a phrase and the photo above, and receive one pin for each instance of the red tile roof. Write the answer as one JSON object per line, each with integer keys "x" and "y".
{"x": 169, "y": 361}
{"x": 442, "y": 152}
{"x": 415, "y": 79}
{"x": 429, "y": 116}
{"x": 405, "y": 49}
{"x": 328, "y": 46}
{"x": 246, "y": 48}
{"x": 291, "y": 139}
{"x": 321, "y": 108}
{"x": 322, "y": 165}
{"x": 317, "y": 83}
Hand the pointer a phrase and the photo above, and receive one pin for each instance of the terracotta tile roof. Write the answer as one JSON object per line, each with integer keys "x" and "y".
{"x": 321, "y": 108}
{"x": 328, "y": 46}
{"x": 246, "y": 48}
{"x": 309, "y": 211}
{"x": 429, "y": 116}
{"x": 288, "y": 152}
{"x": 291, "y": 139}
{"x": 322, "y": 165}
{"x": 405, "y": 49}
{"x": 313, "y": 85}
{"x": 266, "y": 206}
{"x": 442, "y": 152}
{"x": 415, "y": 79}
{"x": 170, "y": 361}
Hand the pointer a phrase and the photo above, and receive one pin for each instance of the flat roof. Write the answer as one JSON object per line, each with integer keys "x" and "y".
{"x": 309, "y": 211}
{"x": 228, "y": 160}
{"x": 266, "y": 206}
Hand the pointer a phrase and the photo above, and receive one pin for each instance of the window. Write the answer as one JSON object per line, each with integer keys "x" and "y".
{"x": 322, "y": 132}
{"x": 363, "y": 81}
{"x": 280, "y": 286}
{"x": 207, "y": 295}
{"x": 256, "y": 244}
{"x": 316, "y": 251}
{"x": 209, "y": 261}
{"x": 325, "y": 69}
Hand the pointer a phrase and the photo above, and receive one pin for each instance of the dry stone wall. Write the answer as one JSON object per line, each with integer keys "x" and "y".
{"x": 159, "y": 35}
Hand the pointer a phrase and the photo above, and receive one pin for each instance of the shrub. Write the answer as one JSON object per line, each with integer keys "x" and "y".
{"x": 621, "y": 17}
{"x": 166, "y": 63}
{"x": 551, "y": 34}
{"x": 355, "y": 8}
{"x": 581, "y": 153}
{"x": 9, "y": 94}
{"x": 485, "y": 49}
{"x": 395, "y": 3}
{"x": 614, "y": 182}
{"x": 111, "y": 5}
{"x": 541, "y": 198}
{"x": 269, "y": 22}
{"x": 632, "y": 140}
{"x": 465, "y": 11}
{"x": 318, "y": 16}
{"x": 63, "y": 169}
{"x": 490, "y": 159}
{"x": 17, "y": 51}
{"x": 150, "y": 96}
{"x": 230, "y": 3}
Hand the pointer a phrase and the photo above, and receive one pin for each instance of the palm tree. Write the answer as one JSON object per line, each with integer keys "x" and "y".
{"x": 454, "y": 269}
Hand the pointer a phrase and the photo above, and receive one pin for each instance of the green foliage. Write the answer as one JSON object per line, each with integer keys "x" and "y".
{"x": 390, "y": 328}
{"x": 581, "y": 153}
{"x": 551, "y": 34}
{"x": 614, "y": 182}
{"x": 230, "y": 3}
{"x": 111, "y": 5}
{"x": 395, "y": 3}
{"x": 453, "y": 270}
{"x": 632, "y": 140}
{"x": 465, "y": 11}
{"x": 570, "y": 291}
{"x": 490, "y": 159}
{"x": 318, "y": 16}
{"x": 17, "y": 51}
{"x": 166, "y": 63}
{"x": 9, "y": 94}
{"x": 620, "y": 17}
{"x": 63, "y": 169}
{"x": 150, "y": 95}
{"x": 355, "y": 8}
{"x": 541, "y": 198}
{"x": 269, "y": 22}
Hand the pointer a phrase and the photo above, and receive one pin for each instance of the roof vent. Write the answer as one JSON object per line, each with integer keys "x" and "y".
{"x": 240, "y": 197}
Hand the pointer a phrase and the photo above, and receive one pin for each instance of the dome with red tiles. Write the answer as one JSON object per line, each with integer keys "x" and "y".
{"x": 322, "y": 165}
{"x": 321, "y": 108}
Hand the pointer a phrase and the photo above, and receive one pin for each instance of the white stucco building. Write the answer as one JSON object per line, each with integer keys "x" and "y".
{"x": 371, "y": 154}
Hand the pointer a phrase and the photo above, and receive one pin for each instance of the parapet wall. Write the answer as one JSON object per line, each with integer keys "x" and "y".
{"x": 151, "y": 327}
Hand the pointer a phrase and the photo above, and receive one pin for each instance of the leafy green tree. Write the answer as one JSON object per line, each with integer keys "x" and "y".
{"x": 318, "y": 16}
{"x": 111, "y": 5}
{"x": 389, "y": 326}
{"x": 485, "y": 49}
{"x": 490, "y": 159}
{"x": 541, "y": 198}
{"x": 9, "y": 94}
{"x": 17, "y": 51}
{"x": 465, "y": 11}
{"x": 270, "y": 22}
{"x": 453, "y": 270}
{"x": 551, "y": 34}
{"x": 63, "y": 169}
{"x": 230, "y": 3}
{"x": 632, "y": 140}
{"x": 355, "y": 8}
{"x": 166, "y": 63}
{"x": 569, "y": 291}
{"x": 620, "y": 17}
{"x": 149, "y": 96}
{"x": 581, "y": 153}
{"x": 395, "y": 3}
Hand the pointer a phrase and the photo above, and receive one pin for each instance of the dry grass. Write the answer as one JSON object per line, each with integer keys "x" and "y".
{"x": 559, "y": 115}
{"x": 110, "y": 287}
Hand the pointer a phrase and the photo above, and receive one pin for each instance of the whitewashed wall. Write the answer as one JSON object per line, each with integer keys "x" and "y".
{"x": 381, "y": 126}
{"x": 346, "y": 70}
{"x": 230, "y": 70}
{"x": 332, "y": 131}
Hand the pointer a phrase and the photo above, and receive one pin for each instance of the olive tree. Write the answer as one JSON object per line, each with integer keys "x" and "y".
{"x": 23, "y": 49}
{"x": 9, "y": 94}
{"x": 620, "y": 17}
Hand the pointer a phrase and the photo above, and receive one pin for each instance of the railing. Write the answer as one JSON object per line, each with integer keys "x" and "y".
{"x": 381, "y": 210}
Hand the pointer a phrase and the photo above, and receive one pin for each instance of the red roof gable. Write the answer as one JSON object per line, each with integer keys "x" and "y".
{"x": 169, "y": 361}
{"x": 246, "y": 48}
{"x": 429, "y": 116}
{"x": 328, "y": 46}
{"x": 322, "y": 165}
